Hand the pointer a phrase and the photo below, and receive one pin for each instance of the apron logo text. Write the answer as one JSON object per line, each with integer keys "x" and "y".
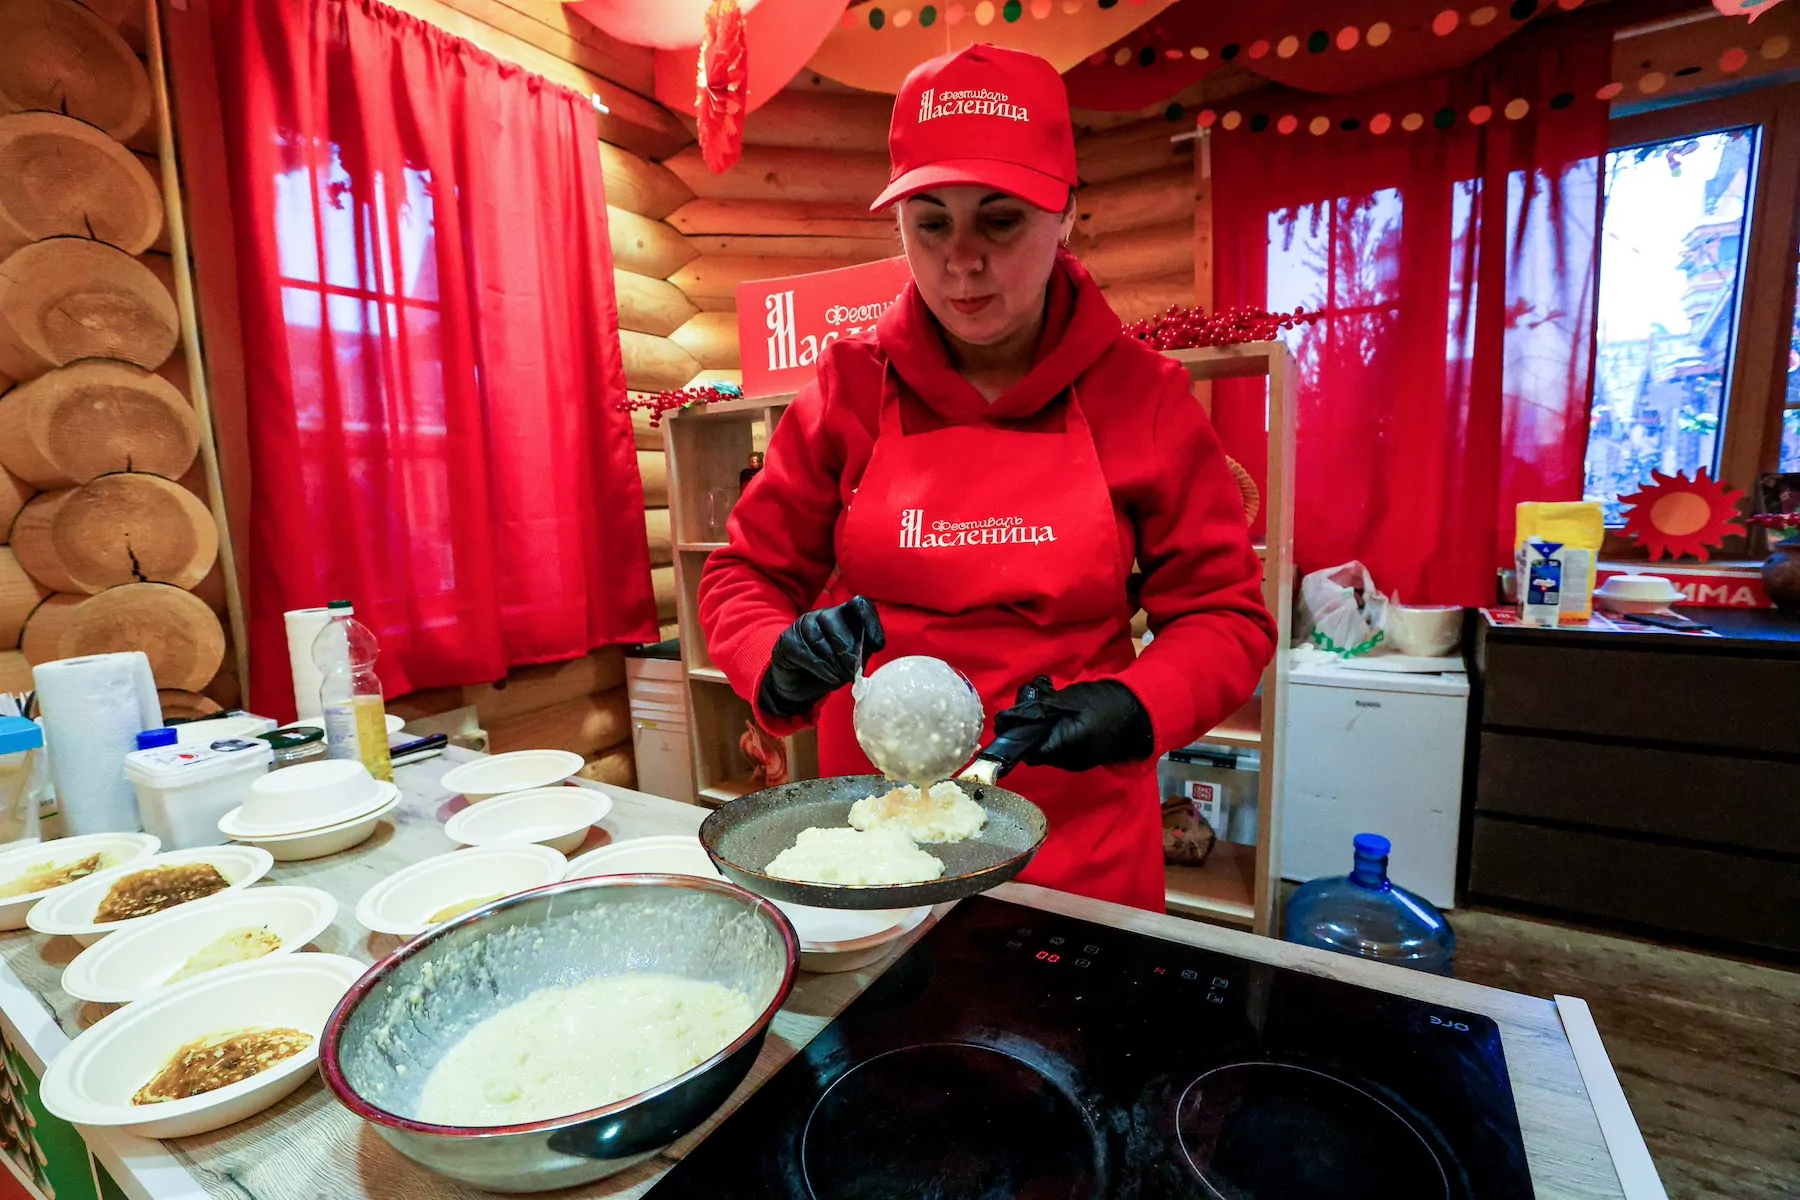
{"x": 990, "y": 531}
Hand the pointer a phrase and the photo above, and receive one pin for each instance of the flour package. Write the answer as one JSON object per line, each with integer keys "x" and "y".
{"x": 1578, "y": 528}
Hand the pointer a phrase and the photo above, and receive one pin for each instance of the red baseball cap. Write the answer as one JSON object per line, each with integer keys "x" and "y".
{"x": 983, "y": 115}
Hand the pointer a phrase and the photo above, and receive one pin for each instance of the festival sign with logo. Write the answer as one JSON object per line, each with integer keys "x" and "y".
{"x": 785, "y": 324}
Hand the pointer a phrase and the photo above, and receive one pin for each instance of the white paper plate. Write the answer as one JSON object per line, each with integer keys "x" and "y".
{"x": 16, "y": 860}
{"x": 92, "y": 1080}
{"x": 71, "y": 910}
{"x": 517, "y": 771}
{"x": 663, "y": 854}
{"x": 333, "y": 839}
{"x": 822, "y": 931}
{"x": 557, "y": 817}
{"x": 403, "y": 903}
{"x": 135, "y": 964}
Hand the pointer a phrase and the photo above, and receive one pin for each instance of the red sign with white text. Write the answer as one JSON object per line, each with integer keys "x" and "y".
{"x": 1703, "y": 585}
{"x": 785, "y": 324}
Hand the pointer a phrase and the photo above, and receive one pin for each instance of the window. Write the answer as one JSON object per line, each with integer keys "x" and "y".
{"x": 358, "y": 276}
{"x": 1671, "y": 276}
{"x": 1790, "y": 413}
{"x": 1697, "y": 347}
{"x": 1339, "y": 259}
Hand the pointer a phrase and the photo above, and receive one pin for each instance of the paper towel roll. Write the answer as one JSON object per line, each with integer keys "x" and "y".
{"x": 303, "y": 625}
{"x": 93, "y": 709}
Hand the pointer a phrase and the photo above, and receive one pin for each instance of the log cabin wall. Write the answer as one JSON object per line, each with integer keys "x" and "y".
{"x": 110, "y": 543}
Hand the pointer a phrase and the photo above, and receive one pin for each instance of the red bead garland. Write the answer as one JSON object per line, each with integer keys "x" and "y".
{"x": 1180, "y": 328}
{"x": 666, "y": 402}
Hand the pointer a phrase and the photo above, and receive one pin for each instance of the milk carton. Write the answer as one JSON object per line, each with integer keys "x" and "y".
{"x": 1540, "y": 572}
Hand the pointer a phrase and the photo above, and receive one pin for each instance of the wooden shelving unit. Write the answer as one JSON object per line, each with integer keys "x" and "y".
{"x": 1239, "y": 884}
{"x": 707, "y": 447}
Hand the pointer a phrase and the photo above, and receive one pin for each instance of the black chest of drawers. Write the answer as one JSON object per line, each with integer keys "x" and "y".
{"x": 1650, "y": 780}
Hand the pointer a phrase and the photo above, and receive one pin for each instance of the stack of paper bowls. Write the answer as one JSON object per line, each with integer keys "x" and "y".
{"x": 311, "y": 809}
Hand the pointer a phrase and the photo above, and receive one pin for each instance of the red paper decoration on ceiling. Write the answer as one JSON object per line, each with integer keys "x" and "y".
{"x": 1745, "y": 8}
{"x": 783, "y": 34}
{"x": 1329, "y": 46}
{"x": 723, "y": 76}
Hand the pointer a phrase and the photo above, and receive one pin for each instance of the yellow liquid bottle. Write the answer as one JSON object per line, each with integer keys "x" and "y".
{"x": 371, "y": 736}
{"x": 350, "y": 692}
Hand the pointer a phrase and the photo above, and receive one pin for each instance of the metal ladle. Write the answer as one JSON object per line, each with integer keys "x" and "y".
{"x": 917, "y": 718}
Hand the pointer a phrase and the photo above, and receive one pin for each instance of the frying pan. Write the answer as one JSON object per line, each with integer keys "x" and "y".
{"x": 744, "y": 835}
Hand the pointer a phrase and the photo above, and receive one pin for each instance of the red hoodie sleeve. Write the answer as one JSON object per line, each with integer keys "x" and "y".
{"x": 1202, "y": 584}
{"x": 778, "y": 554}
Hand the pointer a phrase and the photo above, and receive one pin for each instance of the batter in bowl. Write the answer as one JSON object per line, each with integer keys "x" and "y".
{"x": 565, "y": 1050}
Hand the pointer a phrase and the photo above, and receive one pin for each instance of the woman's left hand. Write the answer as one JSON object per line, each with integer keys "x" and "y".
{"x": 1092, "y": 724}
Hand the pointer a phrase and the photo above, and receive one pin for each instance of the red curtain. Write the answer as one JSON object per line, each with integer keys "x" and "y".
{"x": 432, "y": 351}
{"x": 1456, "y": 265}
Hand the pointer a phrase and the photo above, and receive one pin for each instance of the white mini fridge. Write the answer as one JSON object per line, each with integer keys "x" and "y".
{"x": 1374, "y": 752}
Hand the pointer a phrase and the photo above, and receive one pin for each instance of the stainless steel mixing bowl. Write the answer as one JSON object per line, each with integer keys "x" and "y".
{"x": 401, "y": 1017}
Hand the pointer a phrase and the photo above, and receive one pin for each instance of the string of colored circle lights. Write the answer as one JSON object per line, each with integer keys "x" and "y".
{"x": 669, "y": 401}
{"x": 1178, "y": 328}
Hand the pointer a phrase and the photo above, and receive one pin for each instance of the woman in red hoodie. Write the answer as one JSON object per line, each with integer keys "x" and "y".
{"x": 974, "y": 480}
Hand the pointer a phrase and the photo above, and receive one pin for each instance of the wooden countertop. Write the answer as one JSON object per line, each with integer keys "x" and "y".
{"x": 308, "y": 1146}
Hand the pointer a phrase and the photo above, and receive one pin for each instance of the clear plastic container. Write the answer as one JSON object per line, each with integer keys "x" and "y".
{"x": 350, "y": 691}
{"x": 1364, "y": 914}
{"x": 182, "y": 791}
{"x": 21, "y": 748}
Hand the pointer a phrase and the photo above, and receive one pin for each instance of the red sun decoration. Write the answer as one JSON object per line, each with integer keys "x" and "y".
{"x": 723, "y": 72}
{"x": 1674, "y": 515}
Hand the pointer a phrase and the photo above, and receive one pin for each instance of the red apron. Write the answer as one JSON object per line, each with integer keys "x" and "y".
{"x": 998, "y": 552}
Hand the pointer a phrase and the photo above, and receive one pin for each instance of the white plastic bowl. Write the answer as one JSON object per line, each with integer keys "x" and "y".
{"x": 403, "y": 903}
{"x": 517, "y": 771}
{"x": 71, "y": 910}
{"x": 831, "y": 939}
{"x": 91, "y": 1082}
{"x": 317, "y": 843}
{"x": 557, "y": 817}
{"x": 16, "y": 860}
{"x": 134, "y": 965}
{"x": 305, "y": 797}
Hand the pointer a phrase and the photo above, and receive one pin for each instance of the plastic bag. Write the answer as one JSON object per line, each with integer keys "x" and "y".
{"x": 1341, "y": 610}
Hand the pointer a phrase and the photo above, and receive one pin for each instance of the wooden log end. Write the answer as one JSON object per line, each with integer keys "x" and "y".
{"x": 126, "y": 528}
{"x": 67, "y": 298}
{"x": 181, "y": 636}
{"x": 63, "y": 58}
{"x": 60, "y": 177}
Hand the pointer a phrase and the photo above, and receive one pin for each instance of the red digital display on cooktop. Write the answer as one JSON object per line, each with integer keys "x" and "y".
{"x": 1012, "y": 1054}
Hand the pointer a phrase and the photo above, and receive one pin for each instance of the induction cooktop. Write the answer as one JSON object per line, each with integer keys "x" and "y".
{"x": 1014, "y": 1054}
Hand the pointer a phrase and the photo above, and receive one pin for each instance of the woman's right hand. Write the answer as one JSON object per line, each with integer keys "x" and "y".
{"x": 817, "y": 655}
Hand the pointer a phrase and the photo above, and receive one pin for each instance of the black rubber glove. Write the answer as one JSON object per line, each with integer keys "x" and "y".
{"x": 816, "y": 656}
{"x": 1092, "y": 724}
